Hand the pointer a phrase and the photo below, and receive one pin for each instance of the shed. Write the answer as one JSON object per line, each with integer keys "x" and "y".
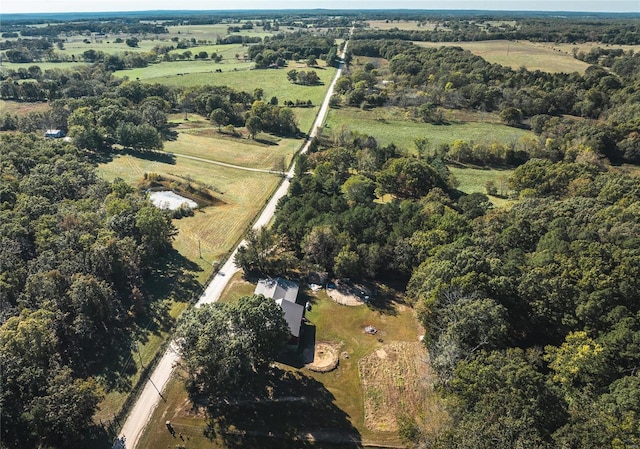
{"x": 54, "y": 133}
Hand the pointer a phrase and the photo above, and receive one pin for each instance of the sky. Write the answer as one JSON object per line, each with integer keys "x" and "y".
{"x": 31, "y": 6}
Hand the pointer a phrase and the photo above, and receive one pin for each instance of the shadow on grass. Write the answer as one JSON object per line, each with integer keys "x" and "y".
{"x": 171, "y": 278}
{"x": 282, "y": 409}
{"x": 265, "y": 141}
{"x": 151, "y": 155}
{"x": 298, "y": 358}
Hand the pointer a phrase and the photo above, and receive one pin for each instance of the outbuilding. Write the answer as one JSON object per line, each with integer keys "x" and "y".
{"x": 54, "y": 133}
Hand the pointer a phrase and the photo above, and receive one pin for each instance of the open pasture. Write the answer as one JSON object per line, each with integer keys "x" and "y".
{"x": 516, "y": 54}
{"x": 43, "y": 65}
{"x": 241, "y": 77}
{"x": 584, "y": 46}
{"x": 176, "y": 70}
{"x": 404, "y": 25}
{"x": 273, "y": 81}
{"x": 227, "y": 51}
{"x": 215, "y": 229}
{"x": 22, "y": 108}
{"x": 389, "y": 127}
{"x": 207, "y": 143}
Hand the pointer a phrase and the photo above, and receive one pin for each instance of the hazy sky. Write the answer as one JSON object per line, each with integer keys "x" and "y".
{"x": 13, "y": 6}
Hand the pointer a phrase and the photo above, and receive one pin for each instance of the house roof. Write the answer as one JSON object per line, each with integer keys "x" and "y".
{"x": 292, "y": 314}
{"x": 277, "y": 288}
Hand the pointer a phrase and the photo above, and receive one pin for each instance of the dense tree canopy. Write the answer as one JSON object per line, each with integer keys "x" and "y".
{"x": 74, "y": 255}
{"x": 224, "y": 344}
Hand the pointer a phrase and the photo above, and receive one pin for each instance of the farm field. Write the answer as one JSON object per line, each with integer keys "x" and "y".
{"x": 199, "y": 138}
{"x": 333, "y": 402}
{"x": 43, "y": 65}
{"x": 214, "y": 228}
{"x": 519, "y": 54}
{"x": 181, "y": 68}
{"x": 273, "y": 82}
{"x": 387, "y": 126}
{"x": 404, "y": 25}
{"x": 22, "y": 108}
{"x": 585, "y": 46}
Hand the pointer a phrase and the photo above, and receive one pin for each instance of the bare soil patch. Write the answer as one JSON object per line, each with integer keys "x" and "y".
{"x": 325, "y": 357}
{"x": 349, "y": 294}
{"x": 396, "y": 380}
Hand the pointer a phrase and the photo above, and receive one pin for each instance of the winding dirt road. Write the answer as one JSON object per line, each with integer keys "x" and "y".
{"x": 152, "y": 393}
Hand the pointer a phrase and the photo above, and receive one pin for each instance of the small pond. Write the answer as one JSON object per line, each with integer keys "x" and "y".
{"x": 169, "y": 200}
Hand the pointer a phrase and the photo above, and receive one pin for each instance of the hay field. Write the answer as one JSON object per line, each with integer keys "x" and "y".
{"x": 387, "y": 126}
{"x": 404, "y": 25}
{"x": 22, "y": 108}
{"x": 215, "y": 228}
{"x": 516, "y": 54}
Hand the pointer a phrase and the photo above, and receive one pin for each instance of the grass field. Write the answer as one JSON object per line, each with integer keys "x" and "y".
{"x": 199, "y": 138}
{"x": 584, "y": 46}
{"x": 240, "y": 77}
{"x": 20, "y": 108}
{"x": 404, "y": 25}
{"x": 388, "y": 126}
{"x": 337, "y": 398}
{"x": 177, "y": 69}
{"x": 43, "y": 65}
{"x": 472, "y": 180}
{"x": 214, "y": 228}
{"x": 516, "y": 54}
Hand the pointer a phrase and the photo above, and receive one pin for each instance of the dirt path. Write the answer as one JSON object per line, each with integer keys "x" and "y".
{"x": 151, "y": 394}
{"x": 224, "y": 164}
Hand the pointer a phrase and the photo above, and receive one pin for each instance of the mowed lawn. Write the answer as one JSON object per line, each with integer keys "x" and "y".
{"x": 516, "y": 54}
{"x": 198, "y": 137}
{"x": 337, "y": 398}
{"x": 213, "y": 230}
{"x": 388, "y": 127}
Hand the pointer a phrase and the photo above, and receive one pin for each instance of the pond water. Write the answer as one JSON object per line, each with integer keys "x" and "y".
{"x": 170, "y": 200}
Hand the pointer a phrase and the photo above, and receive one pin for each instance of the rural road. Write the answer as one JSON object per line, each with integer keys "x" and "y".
{"x": 152, "y": 392}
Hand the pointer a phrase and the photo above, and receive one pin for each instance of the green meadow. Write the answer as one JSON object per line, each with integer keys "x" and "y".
{"x": 516, "y": 54}
{"x": 388, "y": 126}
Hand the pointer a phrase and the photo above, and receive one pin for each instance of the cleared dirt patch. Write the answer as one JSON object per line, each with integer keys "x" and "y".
{"x": 325, "y": 357}
{"x": 396, "y": 380}
{"x": 349, "y": 294}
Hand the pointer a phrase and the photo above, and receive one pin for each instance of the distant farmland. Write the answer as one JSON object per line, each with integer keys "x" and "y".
{"x": 516, "y": 54}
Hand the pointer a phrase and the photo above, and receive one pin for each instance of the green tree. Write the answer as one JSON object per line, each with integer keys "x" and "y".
{"x": 224, "y": 344}
{"x": 254, "y": 125}
{"x": 219, "y": 117}
{"x": 320, "y": 246}
{"x": 359, "y": 189}
{"x": 156, "y": 230}
{"x": 408, "y": 178}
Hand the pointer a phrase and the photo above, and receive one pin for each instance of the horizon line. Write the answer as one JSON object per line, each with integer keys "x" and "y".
{"x": 559, "y": 11}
